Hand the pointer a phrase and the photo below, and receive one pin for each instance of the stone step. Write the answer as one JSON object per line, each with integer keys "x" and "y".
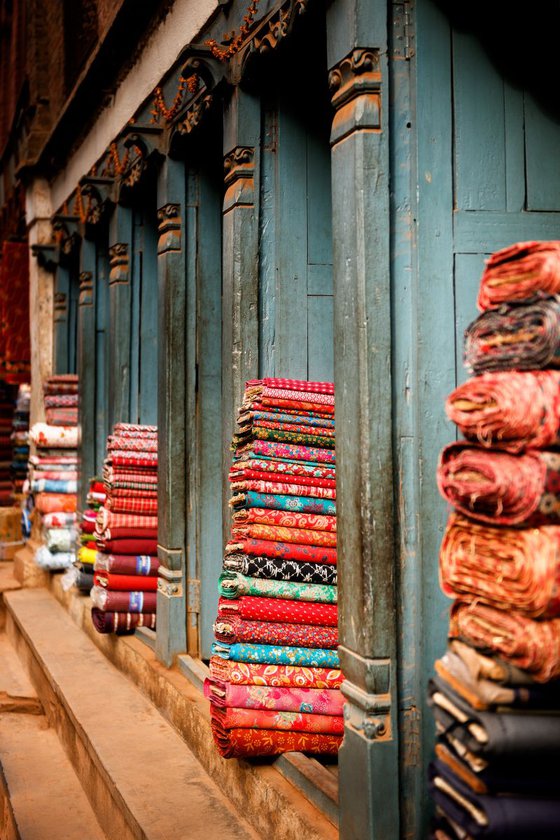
{"x": 143, "y": 782}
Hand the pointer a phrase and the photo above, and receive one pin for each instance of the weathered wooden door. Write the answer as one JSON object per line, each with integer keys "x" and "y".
{"x": 485, "y": 175}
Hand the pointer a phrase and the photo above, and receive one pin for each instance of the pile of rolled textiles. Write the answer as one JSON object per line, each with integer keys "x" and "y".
{"x": 496, "y": 693}
{"x": 7, "y": 402}
{"x": 53, "y": 479}
{"x": 87, "y": 551}
{"x": 125, "y": 567}
{"x": 20, "y": 440}
{"x": 275, "y": 681}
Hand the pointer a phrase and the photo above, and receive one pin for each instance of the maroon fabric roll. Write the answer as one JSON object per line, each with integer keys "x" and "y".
{"x": 122, "y": 624}
{"x": 129, "y": 546}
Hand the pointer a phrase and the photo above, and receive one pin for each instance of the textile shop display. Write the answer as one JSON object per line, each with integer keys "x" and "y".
{"x": 275, "y": 681}
{"x": 8, "y": 394}
{"x": 20, "y": 441}
{"x": 82, "y": 576}
{"x": 495, "y": 695}
{"x": 122, "y": 541}
{"x": 52, "y": 481}
{"x": 15, "y": 344}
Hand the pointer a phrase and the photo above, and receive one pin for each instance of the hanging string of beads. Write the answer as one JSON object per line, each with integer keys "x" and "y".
{"x": 118, "y": 165}
{"x": 234, "y": 40}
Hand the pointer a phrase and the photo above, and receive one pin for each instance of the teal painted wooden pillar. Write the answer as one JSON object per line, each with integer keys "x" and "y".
{"x": 172, "y": 583}
{"x": 60, "y": 320}
{"x": 120, "y": 301}
{"x": 240, "y": 248}
{"x": 369, "y": 772}
{"x": 86, "y": 366}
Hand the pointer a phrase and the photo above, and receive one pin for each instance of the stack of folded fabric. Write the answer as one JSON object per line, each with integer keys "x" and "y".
{"x": 7, "y": 403}
{"x": 274, "y": 681}
{"x": 496, "y": 693}
{"x": 20, "y": 441}
{"x": 53, "y": 478}
{"x": 87, "y": 552}
{"x": 126, "y": 567}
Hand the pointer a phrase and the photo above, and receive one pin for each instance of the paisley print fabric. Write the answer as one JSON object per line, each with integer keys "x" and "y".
{"x": 233, "y": 629}
{"x": 277, "y": 654}
{"x": 288, "y": 452}
{"x": 287, "y": 676}
{"x": 138, "y": 444}
{"x": 230, "y": 718}
{"x": 274, "y": 568}
{"x": 284, "y": 436}
{"x": 247, "y": 743}
{"x": 287, "y": 551}
{"x": 278, "y": 609}
{"x": 281, "y": 488}
{"x": 285, "y": 403}
{"x": 234, "y": 585}
{"x": 294, "y": 385}
{"x": 306, "y": 700}
{"x": 277, "y": 533}
{"x": 286, "y": 518}
{"x": 261, "y": 417}
{"x": 299, "y": 504}
{"x": 301, "y": 396}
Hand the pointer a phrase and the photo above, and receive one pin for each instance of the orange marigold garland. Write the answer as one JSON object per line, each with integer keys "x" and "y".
{"x": 234, "y": 40}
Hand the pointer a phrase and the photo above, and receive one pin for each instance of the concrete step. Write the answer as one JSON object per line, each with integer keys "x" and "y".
{"x": 40, "y": 794}
{"x": 8, "y": 583}
{"x": 143, "y": 782}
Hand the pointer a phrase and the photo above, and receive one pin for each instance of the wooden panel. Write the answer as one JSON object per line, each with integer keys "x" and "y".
{"x": 136, "y": 279}
{"x": 480, "y": 175}
{"x": 60, "y": 326}
{"x": 515, "y": 149}
{"x": 320, "y": 345}
{"x": 319, "y": 203}
{"x": 468, "y": 269}
{"x": 477, "y": 233}
{"x": 73, "y": 294}
{"x": 148, "y": 348}
{"x": 101, "y": 350}
{"x": 542, "y": 139}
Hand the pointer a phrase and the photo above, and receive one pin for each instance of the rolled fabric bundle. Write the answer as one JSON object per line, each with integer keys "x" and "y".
{"x": 300, "y": 504}
{"x": 124, "y": 583}
{"x": 59, "y": 520}
{"x": 279, "y": 609}
{"x": 108, "y": 519}
{"x": 56, "y": 503}
{"x": 520, "y": 272}
{"x": 121, "y": 623}
{"x": 235, "y": 585}
{"x": 531, "y": 645}
{"x": 233, "y": 718}
{"x": 503, "y": 567}
{"x": 126, "y": 533}
{"x": 84, "y": 579}
{"x": 233, "y": 629}
{"x": 245, "y": 743}
{"x": 509, "y": 409}
{"x": 275, "y": 568}
{"x": 134, "y": 602}
{"x": 285, "y": 551}
{"x": 142, "y": 506}
{"x": 138, "y": 444}
{"x": 286, "y": 699}
{"x": 54, "y": 562}
{"x": 274, "y": 676}
{"x": 129, "y": 546}
{"x": 501, "y": 488}
{"x": 59, "y": 437}
{"x": 48, "y": 486}
{"x": 87, "y": 556}
{"x": 275, "y": 655}
{"x": 60, "y": 539}
{"x": 127, "y": 564}
{"x": 520, "y": 337}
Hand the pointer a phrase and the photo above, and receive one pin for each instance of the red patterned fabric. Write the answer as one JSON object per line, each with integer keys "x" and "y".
{"x": 128, "y": 583}
{"x": 284, "y": 402}
{"x": 297, "y": 410}
{"x": 252, "y": 608}
{"x": 277, "y": 533}
{"x": 519, "y": 272}
{"x": 56, "y": 502}
{"x": 293, "y": 385}
{"x": 129, "y": 533}
{"x": 126, "y": 493}
{"x": 326, "y": 701}
{"x": 228, "y": 718}
{"x": 15, "y": 347}
{"x": 124, "y": 458}
{"x": 299, "y": 396}
{"x": 287, "y": 551}
{"x": 136, "y": 444}
{"x": 141, "y": 431}
{"x": 252, "y": 673}
{"x": 244, "y": 743}
{"x": 273, "y": 470}
{"x": 284, "y": 489}
{"x": 61, "y": 401}
{"x": 231, "y": 629}
{"x": 108, "y": 519}
{"x": 131, "y": 546}
{"x": 127, "y": 564}
{"x": 288, "y": 519}
{"x": 135, "y": 505}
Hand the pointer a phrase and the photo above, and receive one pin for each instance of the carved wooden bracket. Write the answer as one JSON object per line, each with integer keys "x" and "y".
{"x": 355, "y": 85}
{"x": 46, "y": 256}
{"x": 118, "y": 263}
{"x": 143, "y": 146}
{"x": 86, "y": 288}
{"x": 210, "y": 74}
{"x": 239, "y": 172}
{"x": 99, "y": 192}
{"x": 60, "y": 309}
{"x": 67, "y": 235}
{"x": 169, "y": 228}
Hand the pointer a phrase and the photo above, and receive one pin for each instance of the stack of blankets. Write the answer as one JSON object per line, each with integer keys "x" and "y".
{"x": 20, "y": 440}
{"x": 53, "y": 475}
{"x": 496, "y": 693}
{"x": 87, "y": 551}
{"x": 124, "y": 593}
{"x": 7, "y": 401}
{"x": 275, "y": 681}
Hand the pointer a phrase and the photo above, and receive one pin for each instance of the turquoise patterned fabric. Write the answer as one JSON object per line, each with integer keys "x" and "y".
{"x": 301, "y": 504}
{"x": 235, "y": 584}
{"x": 278, "y": 655}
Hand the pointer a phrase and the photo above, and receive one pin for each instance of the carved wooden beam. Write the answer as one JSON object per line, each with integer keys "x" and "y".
{"x": 67, "y": 230}
{"x": 46, "y": 256}
{"x": 119, "y": 263}
{"x": 99, "y": 193}
{"x": 143, "y": 144}
{"x": 85, "y": 279}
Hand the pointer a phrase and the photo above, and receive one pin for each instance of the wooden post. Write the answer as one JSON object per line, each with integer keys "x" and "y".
{"x": 60, "y": 320}
{"x": 369, "y": 770}
{"x": 86, "y": 367}
{"x": 172, "y": 463}
{"x": 120, "y": 239}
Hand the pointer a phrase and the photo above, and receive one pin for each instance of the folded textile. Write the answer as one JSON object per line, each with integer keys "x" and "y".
{"x": 509, "y": 409}
{"x": 310, "y": 421}
{"x": 305, "y": 472}
{"x": 283, "y": 699}
{"x": 498, "y": 487}
{"x": 287, "y": 676}
{"x": 278, "y": 533}
{"x": 142, "y": 505}
{"x": 285, "y": 551}
{"x": 494, "y": 817}
{"x": 277, "y": 655}
{"x": 124, "y": 583}
{"x": 520, "y": 337}
{"x": 87, "y": 556}
{"x": 61, "y": 437}
{"x": 235, "y": 585}
{"x": 285, "y": 518}
{"x": 300, "y": 504}
{"x": 129, "y": 458}
{"x": 59, "y": 560}
{"x": 60, "y": 539}
{"x": 121, "y": 623}
{"x": 282, "y": 436}
{"x": 134, "y": 602}
{"x": 281, "y": 488}
{"x": 291, "y": 385}
{"x": 232, "y": 718}
{"x": 279, "y": 609}
{"x": 61, "y": 400}
{"x": 135, "y": 429}
{"x": 520, "y": 272}
{"x": 49, "y": 486}
{"x": 527, "y": 643}
{"x": 84, "y": 579}
{"x": 129, "y": 546}
{"x": 504, "y": 567}
{"x": 58, "y": 520}
{"x": 127, "y": 533}
{"x": 148, "y": 492}
{"x": 124, "y": 564}
{"x": 108, "y": 519}
{"x": 55, "y": 503}
{"x": 244, "y": 743}
{"x": 286, "y": 451}
{"x": 232, "y": 629}
{"x": 275, "y": 568}
{"x": 138, "y": 444}
{"x": 61, "y": 416}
